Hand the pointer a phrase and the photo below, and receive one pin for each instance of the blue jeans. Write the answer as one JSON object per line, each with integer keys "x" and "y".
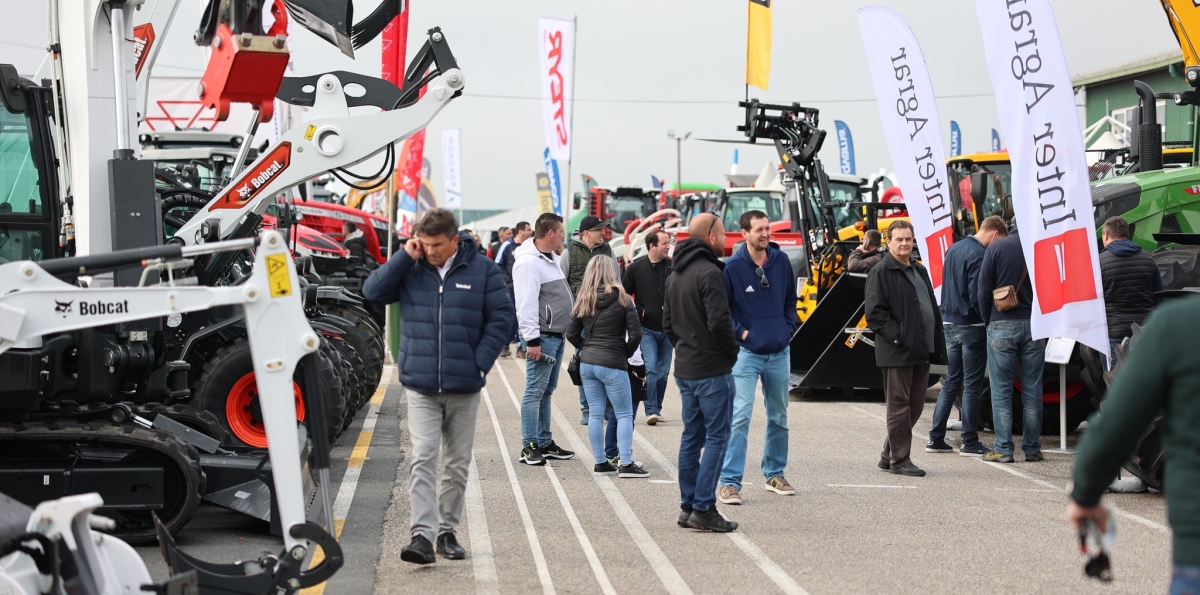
{"x": 516, "y": 327}
{"x": 966, "y": 349}
{"x": 540, "y": 381}
{"x": 774, "y": 370}
{"x": 608, "y": 386}
{"x": 707, "y": 405}
{"x": 656, "y": 352}
{"x": 1185, "y": 580}
{"x": 1010, "y": 344}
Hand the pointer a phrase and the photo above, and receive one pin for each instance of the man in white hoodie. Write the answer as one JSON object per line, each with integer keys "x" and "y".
{"x": 543, "y": 311}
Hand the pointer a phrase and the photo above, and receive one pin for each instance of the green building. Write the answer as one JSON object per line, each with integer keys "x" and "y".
{"x": 1110, "y": 92}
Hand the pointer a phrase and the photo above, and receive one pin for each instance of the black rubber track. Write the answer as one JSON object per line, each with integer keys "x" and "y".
{"x": 367, "y": 340}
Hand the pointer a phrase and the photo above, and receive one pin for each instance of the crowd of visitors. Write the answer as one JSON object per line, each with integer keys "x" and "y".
{"x": 728, "y": 325}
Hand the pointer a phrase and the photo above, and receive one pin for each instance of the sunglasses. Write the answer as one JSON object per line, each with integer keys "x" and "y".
{"x": 762, "y": 277}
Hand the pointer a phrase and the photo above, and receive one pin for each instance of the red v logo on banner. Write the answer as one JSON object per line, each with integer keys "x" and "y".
{"x": 1063, "y": 270}
{"x": 936, "y": 247}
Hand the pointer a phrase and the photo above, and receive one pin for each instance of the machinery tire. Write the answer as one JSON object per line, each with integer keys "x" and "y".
{"x": 360, "y": 393}
{"x": 1079, "y": 408}
{"x": 1179, "y": 266}
{"x": 366, "y": 346}
{"x": 229, "y": 373}
{"x": 335, "y": 348}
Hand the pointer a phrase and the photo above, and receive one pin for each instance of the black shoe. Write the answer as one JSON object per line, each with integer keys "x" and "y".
{"x": 554, "y": 451}
{"x": 604, "y": 468}
{"x": 684, "y": 515}
{"x": 884, "y": 465}
{"x": 447, "y": 546}
{"x": 420, "y": 551}
{"x": 938, "y": 445}
{"x": 908, "y": 469}
{"x": 633, "y": 469}
{"x": 711, "y": 520}
{"x": 532, "y": 455}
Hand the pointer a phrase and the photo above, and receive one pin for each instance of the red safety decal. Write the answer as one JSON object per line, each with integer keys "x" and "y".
{"x": 252, "y": 182}
{"x": 143, "y": 40}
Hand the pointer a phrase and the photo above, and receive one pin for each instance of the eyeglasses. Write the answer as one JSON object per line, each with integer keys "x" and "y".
{"x": 762, "y": 277}
{"x": 711, "y": 225}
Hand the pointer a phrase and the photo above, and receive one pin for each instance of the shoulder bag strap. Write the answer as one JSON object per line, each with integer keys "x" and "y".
{"x": 1022, "y": 281}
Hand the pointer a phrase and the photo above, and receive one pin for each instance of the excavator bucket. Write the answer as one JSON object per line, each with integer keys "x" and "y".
{"x": 329, "y": 19}
{"x": 834, "y": 348}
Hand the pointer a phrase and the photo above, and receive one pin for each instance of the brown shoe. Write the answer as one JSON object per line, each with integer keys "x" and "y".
{"x": 780, "y": 486}
{"x": 506, "y": 353}
{"x": 729, "y": 495}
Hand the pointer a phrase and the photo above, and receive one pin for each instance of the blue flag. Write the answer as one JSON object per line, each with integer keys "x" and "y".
{"x": 955, "y": 139}
{"x": 656, "y": 183}
{"x": 555, "y": 185}
{"x": 995, "y": 141}
{"x": 845, "y": 147}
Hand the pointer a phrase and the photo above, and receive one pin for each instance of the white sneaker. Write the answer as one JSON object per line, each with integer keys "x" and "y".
{"x": 653, "y": 419}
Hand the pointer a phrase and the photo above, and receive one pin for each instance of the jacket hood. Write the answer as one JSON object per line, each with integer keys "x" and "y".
{"x": 527, "y": 248}
{"x": 694, "y": 250}
{"x": 1123, "y": 248}
{"x": 604, "y": 299}
{"x": 744, "y": 252}
{"x": 466, "y": 247}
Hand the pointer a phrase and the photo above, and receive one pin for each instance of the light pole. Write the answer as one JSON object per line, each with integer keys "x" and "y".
{"x": 678, "y": 159}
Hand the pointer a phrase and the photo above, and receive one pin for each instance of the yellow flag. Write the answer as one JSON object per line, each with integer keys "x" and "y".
{"x": 758, "y": 44}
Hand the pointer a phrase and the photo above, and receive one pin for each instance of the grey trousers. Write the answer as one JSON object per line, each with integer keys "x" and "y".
{"x": 445, "y": 422}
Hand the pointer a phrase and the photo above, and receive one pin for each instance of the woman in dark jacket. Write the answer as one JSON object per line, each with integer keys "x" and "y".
{"x": 606, "y": 314}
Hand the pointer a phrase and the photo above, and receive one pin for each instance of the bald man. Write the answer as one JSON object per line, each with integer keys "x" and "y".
{"x": 696, "y": 321}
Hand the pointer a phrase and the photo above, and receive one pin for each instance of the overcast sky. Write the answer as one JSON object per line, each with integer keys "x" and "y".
{"x": 648, "y": 66}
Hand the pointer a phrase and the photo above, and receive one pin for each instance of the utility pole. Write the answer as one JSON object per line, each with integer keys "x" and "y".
{"x": 678, "y": 160}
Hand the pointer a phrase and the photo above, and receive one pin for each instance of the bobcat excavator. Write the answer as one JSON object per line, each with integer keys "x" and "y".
{"x": 103, "y": 403}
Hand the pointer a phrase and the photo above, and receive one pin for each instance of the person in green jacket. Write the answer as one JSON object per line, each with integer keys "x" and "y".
{"x": 1160, "y": 376}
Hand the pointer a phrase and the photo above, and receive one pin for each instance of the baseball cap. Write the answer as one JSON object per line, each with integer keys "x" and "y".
{"x": 591, "y": 223}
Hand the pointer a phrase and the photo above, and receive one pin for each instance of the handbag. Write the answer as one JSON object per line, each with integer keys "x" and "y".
{"x": 573, "y": 367}
{"x": 1005, "y": 297}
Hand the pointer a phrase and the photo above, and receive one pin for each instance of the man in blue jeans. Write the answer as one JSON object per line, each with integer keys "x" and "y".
{"x": 696, "y": 320}
{"x": 646, "y": 281}
{"x": 762, "y": 300}
{"x": 1011, "y": 347}
{"x": 966, "y": 339}
{"x": 543, "y": 311}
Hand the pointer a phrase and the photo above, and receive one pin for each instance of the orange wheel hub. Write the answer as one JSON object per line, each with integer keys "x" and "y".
{"x": 243, "y": 414}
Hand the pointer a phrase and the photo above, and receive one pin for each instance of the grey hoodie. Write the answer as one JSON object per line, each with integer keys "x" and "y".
{"x": 543, "y": 297}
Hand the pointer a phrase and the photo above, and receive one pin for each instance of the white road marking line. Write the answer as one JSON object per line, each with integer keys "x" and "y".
{"x": 539, "y": 558}
{"x": 588, "y": 551}
{"x": 782, "y": 579}
{"x": 667, "y": 574}
{"x": 1141, "y": 520}
{"x": 486, "y": 582}
{"x": 851, "y": 485}
{"x": 671, "y": 481}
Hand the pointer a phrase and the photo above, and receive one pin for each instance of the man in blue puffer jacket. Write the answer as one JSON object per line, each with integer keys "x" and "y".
{"x": 457, "y": 316}
{"x": 762, "y": 302}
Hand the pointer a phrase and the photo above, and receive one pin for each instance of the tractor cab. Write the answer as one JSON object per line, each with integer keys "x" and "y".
{"x": 29, "y": 189}
{"x": 980, "y": 186}
{"x": 619, "y": 206}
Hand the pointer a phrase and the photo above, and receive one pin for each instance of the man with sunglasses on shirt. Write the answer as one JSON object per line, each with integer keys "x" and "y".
{"x": 762, "y": 304}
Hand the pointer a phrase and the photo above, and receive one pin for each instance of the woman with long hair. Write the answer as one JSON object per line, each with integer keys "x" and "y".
{"x": 604, "y": 327}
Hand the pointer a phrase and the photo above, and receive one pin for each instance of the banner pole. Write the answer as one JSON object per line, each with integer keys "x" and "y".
{"x": 1062, "y": 407}
{"x": 566, "y": 198}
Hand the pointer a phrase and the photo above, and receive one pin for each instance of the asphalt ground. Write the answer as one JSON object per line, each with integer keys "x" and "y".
{"x": 968, "y": 526}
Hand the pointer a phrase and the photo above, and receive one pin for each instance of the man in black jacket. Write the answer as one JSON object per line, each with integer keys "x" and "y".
{"x": 966, "y": 339}
{"x": 646, "y": 281}
{"x": 1011, "y": 347}
{"x": 902, "y": 310}
{"x": 1130, "y": 278}
{"x": 696, "y": 320}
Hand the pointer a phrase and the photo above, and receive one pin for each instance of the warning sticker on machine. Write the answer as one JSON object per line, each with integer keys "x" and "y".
{"x": 308, "y": 133}
{"x": 856, "y": 334}
{"x": 278, "y": 276}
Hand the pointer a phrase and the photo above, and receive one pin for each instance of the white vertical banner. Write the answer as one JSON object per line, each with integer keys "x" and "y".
{"x": 914, "y": 133}
{"x": 556, "y": 45}
{"x": 452, "y": 167}
{"x": 1051, "y": 199}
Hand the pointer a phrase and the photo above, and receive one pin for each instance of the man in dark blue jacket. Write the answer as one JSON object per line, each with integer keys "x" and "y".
{"x": 505, "y": 257}
{"x": 457, "y": 315}
{"x": 1011, "y": 346}
{"x": 966, "y": 339}
{"x": 762, "y": 303}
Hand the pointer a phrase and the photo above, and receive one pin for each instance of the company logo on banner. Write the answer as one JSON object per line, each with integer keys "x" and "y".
{"x": 1051, "y": 200}
{"x": 995, "y": 141}
{"x": 914, "y": 137}
{"x": 545, "y": 202}
{"x": 452, "y": 167}
{"x": 955, "y": 139}
{"x": 555, "y": 185}
{"x": 845, "y": 147}
{"x": 557, "y": 43}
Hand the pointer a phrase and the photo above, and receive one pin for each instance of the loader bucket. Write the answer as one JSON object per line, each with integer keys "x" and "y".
{"x": 834, "y": 348}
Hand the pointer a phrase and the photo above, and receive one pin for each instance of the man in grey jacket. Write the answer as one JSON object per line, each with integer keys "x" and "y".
{"x": 543, "y": 311}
